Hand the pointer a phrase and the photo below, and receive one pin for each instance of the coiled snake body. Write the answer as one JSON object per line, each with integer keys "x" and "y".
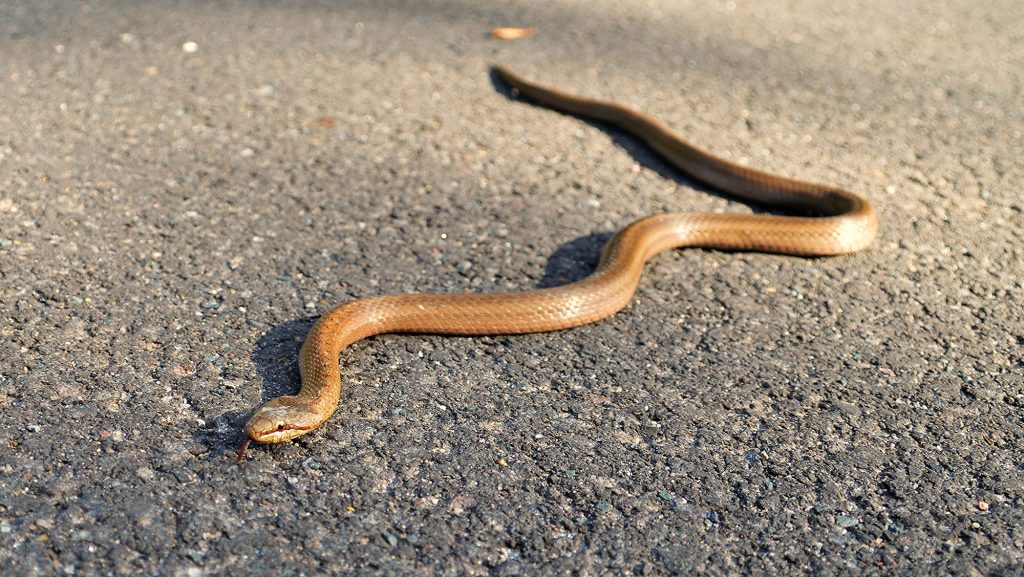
{"x": 847, "y": 224}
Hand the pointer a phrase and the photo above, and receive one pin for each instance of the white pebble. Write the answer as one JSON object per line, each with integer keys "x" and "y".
{"x": 190, "y": 47}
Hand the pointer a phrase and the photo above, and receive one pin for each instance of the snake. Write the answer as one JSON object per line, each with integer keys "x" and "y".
{"x": 821, "y": 220}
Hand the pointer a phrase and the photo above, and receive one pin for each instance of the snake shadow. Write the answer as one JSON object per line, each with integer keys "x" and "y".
{"x": 643, "y": 154}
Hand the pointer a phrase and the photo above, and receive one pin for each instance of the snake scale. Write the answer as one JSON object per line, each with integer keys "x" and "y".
{"x": 843, "y": 222}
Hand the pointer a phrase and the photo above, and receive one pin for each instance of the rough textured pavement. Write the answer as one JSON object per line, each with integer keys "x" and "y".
{"x": 184, "y": 186}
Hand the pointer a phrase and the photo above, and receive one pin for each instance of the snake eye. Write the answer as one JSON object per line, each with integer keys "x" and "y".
{"x": 280, "y": 426}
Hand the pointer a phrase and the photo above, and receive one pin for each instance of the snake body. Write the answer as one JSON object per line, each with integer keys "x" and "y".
{"x": 846, "y": 224}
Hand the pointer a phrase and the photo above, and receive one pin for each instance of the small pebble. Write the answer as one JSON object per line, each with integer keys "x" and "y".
{"x": 33, "y": 428}
{"x": 190, "y": 47}
{"x": 846, "y": 521}
{"x": 982, "y": 506}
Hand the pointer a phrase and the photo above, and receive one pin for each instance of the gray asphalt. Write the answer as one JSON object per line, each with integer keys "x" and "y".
{"x": 184, "y": 186}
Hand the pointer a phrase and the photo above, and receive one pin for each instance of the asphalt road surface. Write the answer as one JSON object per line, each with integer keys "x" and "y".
{"x": 185, "y": 186}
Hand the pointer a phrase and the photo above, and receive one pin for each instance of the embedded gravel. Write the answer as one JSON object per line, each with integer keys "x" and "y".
{"x": 184, "y": 186}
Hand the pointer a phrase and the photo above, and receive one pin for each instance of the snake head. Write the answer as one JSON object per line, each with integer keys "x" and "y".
{"x": 280, "y": 420}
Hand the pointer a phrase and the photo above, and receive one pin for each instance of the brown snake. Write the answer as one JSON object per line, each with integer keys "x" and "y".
{"x": 847, "y": 224}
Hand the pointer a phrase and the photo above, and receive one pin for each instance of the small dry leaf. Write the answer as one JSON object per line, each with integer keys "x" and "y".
{"x": 326, "y": 121}
{"x": 511, "y": 33}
